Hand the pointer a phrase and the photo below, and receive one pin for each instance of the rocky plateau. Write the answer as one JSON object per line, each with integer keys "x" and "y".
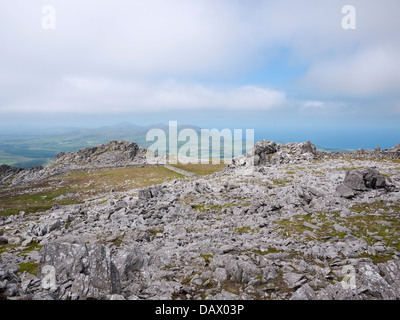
{"x": 282, "y": 222}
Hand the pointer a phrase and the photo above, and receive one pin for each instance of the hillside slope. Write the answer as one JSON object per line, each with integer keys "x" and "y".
{"x": 283, "y": 222}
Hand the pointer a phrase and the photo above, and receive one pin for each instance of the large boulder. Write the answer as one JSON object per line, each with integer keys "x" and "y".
{"x": 396, "y": 148}
{"x": 354, "y": 179}
{"x": 150, "y": 192}
{"x": 262, "y": 151}
{"x": 361, "y": 180}
{"x": 345, "y": 191}
{"x": 307, "y": 147}
{"x": 373, "y": 179}
{"x": 82, "y": 271}
{"x": 128, "y": 261}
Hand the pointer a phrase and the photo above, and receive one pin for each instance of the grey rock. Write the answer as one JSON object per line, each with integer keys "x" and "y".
{"x": 294, "y": 280}
{"x": 47, "y": 227}
{"x": 270, "y": 273}
{"x": 373, "y": 179}
{"x": 88, "y": 266}
{"x": 310, "y": 225}
{"x": 307, "y": 147}
{"x": 116, "y": 297}
{"x": 262, "y": 151}
{"x": 362, "y": 180}
{"x": 305, "y": 292}
{"x": 249, "y": 271}
{"x": 345, "y": 191}
{"x": 355, "y": 180}
{"x": 151, "y": 192}
{"x": 220, "y": 274}
{"x": 127, "y": 261}
{"x": 223, "y": 295}
{"x": 3, "y": 284}
{"x": 233, "y": 269}
{"x": 396, "y": 148}
{"x": 11, "y": 290}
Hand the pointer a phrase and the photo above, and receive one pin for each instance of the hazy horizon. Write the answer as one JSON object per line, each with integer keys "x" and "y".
{"x": 324, "y": 137}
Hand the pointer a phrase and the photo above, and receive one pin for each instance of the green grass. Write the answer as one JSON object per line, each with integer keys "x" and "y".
{"x": 121, "y": 179}
{"x": 33, "y": 246}
{"x": 281, "y": 182}
{"x": 200, "y": 169}
{"x": 265, "y": 252}
{"x": 41, "y": 196}
{"x": 207, "y": 257}
{"x": 29, "y": 267}
{"x": 368, "y": 226}
{"x": 31, "y": 203}
{"x": 4, "y": 248}
{"x": 203, "y": 207}
{"x": 374, "y": 207}
{"x": 296, "y": 227}
{"x": 246, "y": 229}
{"x": 376, "y": 258}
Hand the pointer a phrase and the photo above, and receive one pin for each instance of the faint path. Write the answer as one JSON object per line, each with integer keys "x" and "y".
{"x": 180, "y": 171}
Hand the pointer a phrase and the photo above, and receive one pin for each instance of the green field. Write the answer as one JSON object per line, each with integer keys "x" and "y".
{"x": 78, "y": 186}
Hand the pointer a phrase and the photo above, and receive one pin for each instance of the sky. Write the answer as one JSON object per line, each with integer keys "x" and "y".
{"x": 286, "y": 68}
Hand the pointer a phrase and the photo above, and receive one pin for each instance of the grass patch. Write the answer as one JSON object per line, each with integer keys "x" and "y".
{"x": 246, "y": 229}
{"x": 372, "y": 227}
{"x": 200, "y": 169}
{"x": 374, "y": 207}
{"x": 29, "y": 267}
{"x": 324, "y": 230}
{"x": 4, "y": 248}
{"x": 280, "y": 182}
{"x": 376, "y": 258}
{"x": 231, "y": 286}
{"x": 265, "y": 252}
{"x": 31, "y": 203}
{"x": 121, "y": 179}
{"x": 203, "y": 207}
{"x": 41, "y": 196}
{"x": 207, "y": 257}
{"x": 118, "y": 241}
{"x": 155, "y": 232}
{"x": 33, "y": 246}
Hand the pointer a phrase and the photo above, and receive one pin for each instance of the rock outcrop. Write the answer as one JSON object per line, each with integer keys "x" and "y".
{"x": 115, "y": 154}
{"x": 362, "y": 180}
{"x": 80, "y": 271}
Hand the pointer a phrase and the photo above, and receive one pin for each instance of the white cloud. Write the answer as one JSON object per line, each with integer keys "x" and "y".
{"x": 313, "y": 104}
{"x": 120, "y": 53}
{"x": 366, "y": 72}
{"x": 102, "y": 95}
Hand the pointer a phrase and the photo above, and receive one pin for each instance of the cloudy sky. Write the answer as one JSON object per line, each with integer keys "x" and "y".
{"x": 286, "y": 68}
